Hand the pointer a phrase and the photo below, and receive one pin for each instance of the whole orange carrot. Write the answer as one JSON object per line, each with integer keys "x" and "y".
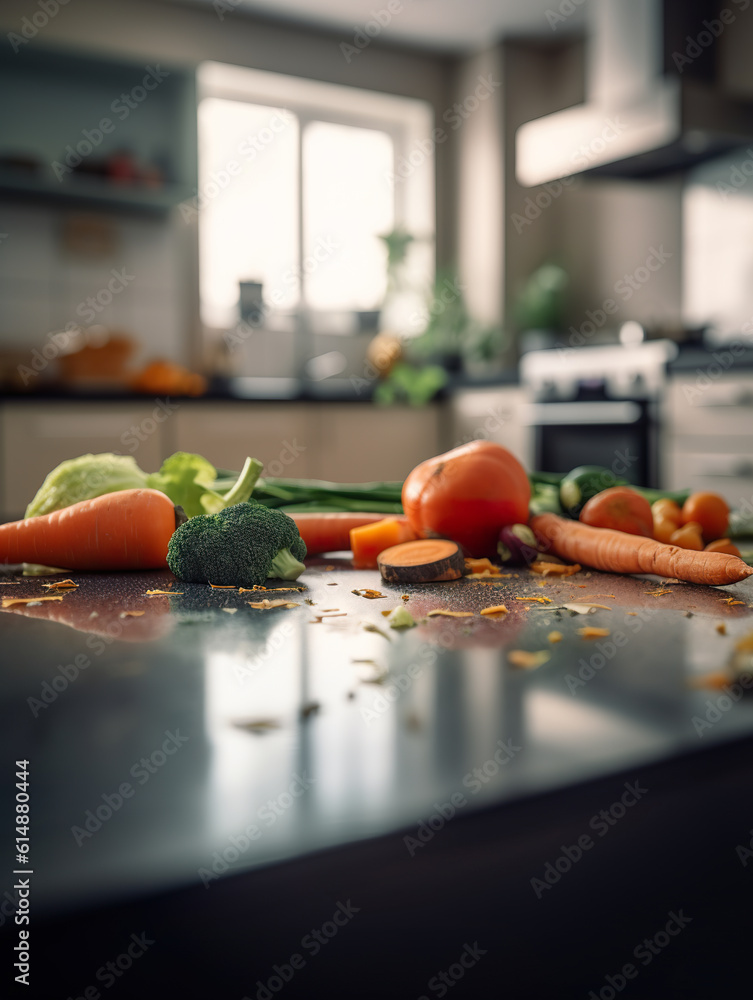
{"x": 129, "y": 529}
{"x": 618, "y": 552}
{"x": 330, "y": 532}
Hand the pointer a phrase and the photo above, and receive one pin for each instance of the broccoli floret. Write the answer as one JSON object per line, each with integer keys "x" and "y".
{"x": 241, "y": 545}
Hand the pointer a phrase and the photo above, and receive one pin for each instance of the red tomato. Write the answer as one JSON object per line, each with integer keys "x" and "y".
{"x": 620, "y": 508}
{"x": 467, "y": 495}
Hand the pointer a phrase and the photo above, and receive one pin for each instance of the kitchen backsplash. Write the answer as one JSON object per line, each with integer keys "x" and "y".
{"x": 131, "y": 282}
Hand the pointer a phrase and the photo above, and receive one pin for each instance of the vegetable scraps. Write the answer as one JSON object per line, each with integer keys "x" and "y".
{"x": 467, "y": 495}
{"x": 618, "y": 552}
{"x": 129, "y": 529}
{"x": 241, "y": 545}
{"x": 185, "y": 478}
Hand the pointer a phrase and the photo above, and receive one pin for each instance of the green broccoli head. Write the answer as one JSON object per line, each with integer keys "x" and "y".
{"x": 241, "y": 545}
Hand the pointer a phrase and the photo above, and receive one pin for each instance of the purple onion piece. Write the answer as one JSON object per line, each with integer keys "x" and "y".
{"x": 518, "y": 545}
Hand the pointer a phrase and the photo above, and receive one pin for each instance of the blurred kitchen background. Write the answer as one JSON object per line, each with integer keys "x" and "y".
{"x": 345, "y": 235}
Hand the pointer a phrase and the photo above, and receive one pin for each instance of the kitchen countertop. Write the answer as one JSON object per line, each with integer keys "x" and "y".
{"x": 182, "y": 742}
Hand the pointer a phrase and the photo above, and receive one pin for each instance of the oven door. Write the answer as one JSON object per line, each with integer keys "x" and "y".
{"x": 620, "y": 435}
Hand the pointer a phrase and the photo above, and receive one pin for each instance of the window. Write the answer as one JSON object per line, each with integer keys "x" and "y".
{"x": 297, "y": 181}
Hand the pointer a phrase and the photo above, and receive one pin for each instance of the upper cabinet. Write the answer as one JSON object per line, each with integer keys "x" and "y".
{"x": 114, "y": 135}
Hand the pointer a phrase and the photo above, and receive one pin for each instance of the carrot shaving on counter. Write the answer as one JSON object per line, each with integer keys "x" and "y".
{"x": 497, "y": 609}
{"x": 555, "y": 636}
{"x": 153, "y": 593}
{"x": 60, "y": 585}
{"x": 656, "y": 593}
{"x": 730, "y": 600}
{"x": 721, "y": 628}
{"x": 535, "y": 600}
{"x": 551, "y": 568}
{"x": 221, "y": 586}
{"x": 131, "y": 614}
{"x": 371, "y": 595}
{"x": 265, "y": 605}
{"x": 229, "y": 611}
{"x": 527, "y": 661}
{"x": 9, "y": 601}
{"x": 269, "y": 590}
{"x": 450, "y": 614}
{"x": 485, "y": 566}
{"x": 591, "y": 632}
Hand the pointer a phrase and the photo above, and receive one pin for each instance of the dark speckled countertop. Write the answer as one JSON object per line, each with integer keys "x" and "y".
{"x": 176, "y": 741}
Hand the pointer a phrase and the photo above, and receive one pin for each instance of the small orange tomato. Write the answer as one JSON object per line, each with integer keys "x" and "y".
{"x": 689, "y": 536}
{"x": 664, "y": 529}
{"x": 710, "y": 511}
{"x": 723, "y": 545}
{"x": 667, "y": 510}
{"x": 619, "y": 508}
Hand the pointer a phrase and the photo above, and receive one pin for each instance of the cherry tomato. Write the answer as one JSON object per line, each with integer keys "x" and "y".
{"x": 668, "y": 510}
{"x": 710, "y": 511}
{"x": 723, "y": 545}
{"x": 664, "y": 529}
{"x": 467, "y": 495}
{"x": 688, "y": 536}
{"x": 620, "y": 508}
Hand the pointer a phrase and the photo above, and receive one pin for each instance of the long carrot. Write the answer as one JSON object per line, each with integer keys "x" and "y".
{"x": 331, "y": 532}
{"x": 128, "y": 529}
{"x": 617, "y": 552}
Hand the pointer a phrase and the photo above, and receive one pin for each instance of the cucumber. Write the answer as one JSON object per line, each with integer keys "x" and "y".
{"x": 583, "y": 483}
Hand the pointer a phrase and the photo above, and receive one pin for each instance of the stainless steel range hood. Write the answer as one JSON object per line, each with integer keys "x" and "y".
{"x": 653, "y": 101}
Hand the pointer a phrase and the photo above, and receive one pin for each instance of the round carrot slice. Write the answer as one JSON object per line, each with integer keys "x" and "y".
{"x": 423, "y": 561}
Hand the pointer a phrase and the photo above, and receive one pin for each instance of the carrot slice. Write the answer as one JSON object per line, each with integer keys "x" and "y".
{"x": 423, "y": 561}
{"x": 368, "y": 540}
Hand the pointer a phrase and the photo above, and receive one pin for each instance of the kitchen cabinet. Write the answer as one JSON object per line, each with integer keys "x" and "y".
{"x": 492, "y": 415}
{"x": 36, "y": 437}
{"x": 708, "y": 435}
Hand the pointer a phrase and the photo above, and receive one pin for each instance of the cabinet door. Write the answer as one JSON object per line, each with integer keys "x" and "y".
{"x": 361, "y": 442}
{"x": 38, "y": 436}
{"x": 492, "y": 415}
{"x": 281, "y": 435}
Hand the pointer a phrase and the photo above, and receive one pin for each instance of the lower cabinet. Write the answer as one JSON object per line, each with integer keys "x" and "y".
{"x": 35, "y": 437}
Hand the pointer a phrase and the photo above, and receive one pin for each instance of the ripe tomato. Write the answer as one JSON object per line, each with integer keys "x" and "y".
{"x": 619, "y": 508}
{"x": 688, "y": 536}
{"x": 668, "y": 510}
{"x": 467, "y": 495}
{"x": 710, "y": 511}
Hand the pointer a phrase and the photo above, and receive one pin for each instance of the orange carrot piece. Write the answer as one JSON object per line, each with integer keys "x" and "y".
{"x": 128, "y": 529}
{"x": 617, "y": 552}
{"x": 367, "y": 541}
{"x": 331, "y": 532}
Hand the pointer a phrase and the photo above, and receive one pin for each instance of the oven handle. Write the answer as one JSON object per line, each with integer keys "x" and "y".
{"x": 597, "y": 412}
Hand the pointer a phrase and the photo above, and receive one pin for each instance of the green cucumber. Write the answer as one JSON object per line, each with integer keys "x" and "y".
{"x": 583, "y": 483}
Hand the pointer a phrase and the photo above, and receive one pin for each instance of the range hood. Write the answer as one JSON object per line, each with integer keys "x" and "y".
{"x": 653, "y": 100}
